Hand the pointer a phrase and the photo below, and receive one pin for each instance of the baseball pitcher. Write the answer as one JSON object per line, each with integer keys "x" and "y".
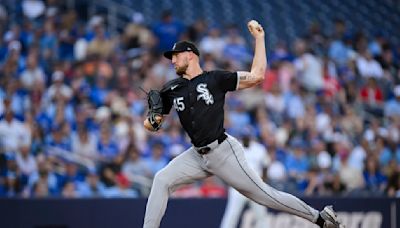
{"x": 198, "y": 96}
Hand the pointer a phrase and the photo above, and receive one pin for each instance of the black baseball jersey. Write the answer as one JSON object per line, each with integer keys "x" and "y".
{"x": 200, "y": 103}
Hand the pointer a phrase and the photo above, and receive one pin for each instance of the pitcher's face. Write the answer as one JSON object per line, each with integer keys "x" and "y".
{"x": 181, "y": 62}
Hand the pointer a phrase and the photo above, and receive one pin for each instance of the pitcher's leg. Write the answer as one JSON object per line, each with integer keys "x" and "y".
{"x": 233, "y": 209}
{"x": 184, "y": 169}
{"x": 236, "y": 173}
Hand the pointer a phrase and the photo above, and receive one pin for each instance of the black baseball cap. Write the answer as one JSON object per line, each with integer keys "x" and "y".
{"x": 182, "y": 46}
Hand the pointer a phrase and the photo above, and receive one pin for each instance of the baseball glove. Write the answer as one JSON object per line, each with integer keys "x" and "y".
{"x": 155, "y": 108}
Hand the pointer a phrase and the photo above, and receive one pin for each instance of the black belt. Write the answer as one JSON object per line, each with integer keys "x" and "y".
{"x": 205, "y": 150}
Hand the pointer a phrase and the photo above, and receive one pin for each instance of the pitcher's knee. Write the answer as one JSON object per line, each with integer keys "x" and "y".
{"x": 161, "y": 179}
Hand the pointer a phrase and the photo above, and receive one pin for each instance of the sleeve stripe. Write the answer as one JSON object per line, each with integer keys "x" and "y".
{"x": 237, "y": 82}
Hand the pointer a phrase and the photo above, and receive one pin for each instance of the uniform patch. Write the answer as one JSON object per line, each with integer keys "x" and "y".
{"x": 204, "y": 94}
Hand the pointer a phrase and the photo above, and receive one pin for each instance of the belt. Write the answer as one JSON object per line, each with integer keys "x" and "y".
{"x": 206, "y": 149}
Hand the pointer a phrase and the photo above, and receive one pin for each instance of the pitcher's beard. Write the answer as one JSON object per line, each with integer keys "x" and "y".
{"x": 181, "y": 70}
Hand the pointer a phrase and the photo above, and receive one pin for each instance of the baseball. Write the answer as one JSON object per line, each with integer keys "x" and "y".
{"x": 253, "y": 24}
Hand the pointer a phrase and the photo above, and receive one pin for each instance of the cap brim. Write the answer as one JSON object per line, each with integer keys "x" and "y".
{"x": 168, "y": 54}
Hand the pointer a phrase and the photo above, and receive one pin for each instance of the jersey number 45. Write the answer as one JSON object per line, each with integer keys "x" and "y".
{"x": 178, "y": 104}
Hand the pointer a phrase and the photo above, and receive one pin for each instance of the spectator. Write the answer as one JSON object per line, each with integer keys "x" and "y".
{"x": 367, "y": 66}
{"x": 58, "y": 140}
{"x": 157, "y": 160}
{"x": 12, "y": 132}
{"x": 84, "y": 144}
{"x": 358, "y": 155}
{"x": 16, "y": 100}
{"x": 135, "y": 165}
{"x": 375, "y": 181}
{"x": 37, "y": 140}
{"x": 238, "y": 117}
{"x": 372, "y": 97}
{"x": 275, "y": 146}
{"x": 320, "y": 174}
{"x": 26, "y": 161}
{"x": 58, "y": 90}
{"x": 213, "y": 43}
{"x": 41, "y": 189}
{"x": 271, "y": 76}
{"x": 108, "y": 176}
{"x": 294, "y": 105}
{"x": 67, "y": 35}
{"x": 101, "y": 45}
{"x": 331, "y": 83}
{"x": 71, "y": 174}
{"x": 49, "y": 43}
{"x": 336, "y": 186}
{"x": 13, "y": 180}
{"x": 340, "y": 49}
{"x": 276, "y": 172}
{"x": 323, "y": 120}
{"x": 69, "y": 190}
{"x": 107, "y": 147}
{"x": 44, "y": 182}
{"x": 389, "y": 64}
{"x": 275, "y": 104}
{"x": 91, "y": 187}
{"x": 385, "y": 152}
{"x": 351, "y": 177}
{"x": 196, "y": 30}
{"x": 392, "y": 107}
{"x": 375, "y": 46}
{"x": 33, "y": 75}
{"x": 313, "y": 179}
{"x": 168, "y": 31}
{"x": 351, "y": 123}
{"x": 309, "y": 67}
{"x": 175, "y": 137}
{"x": 280, "y": 53}
{"x": 235, "y": 50}
{"x": 122, "y": 189}
{"x": 297, "y": 164}
{"x": 13, "y": 186}
{"x": 100, "y": 91}
{"x": 136, "y": 35}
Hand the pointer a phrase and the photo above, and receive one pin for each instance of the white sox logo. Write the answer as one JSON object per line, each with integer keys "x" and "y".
{"x": 204, "y": 94}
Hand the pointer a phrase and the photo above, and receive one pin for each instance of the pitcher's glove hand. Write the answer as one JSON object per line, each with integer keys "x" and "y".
{"x": 155, "y": 109}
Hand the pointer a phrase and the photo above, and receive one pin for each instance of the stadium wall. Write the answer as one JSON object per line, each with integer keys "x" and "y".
{"x": 193, "y": 213}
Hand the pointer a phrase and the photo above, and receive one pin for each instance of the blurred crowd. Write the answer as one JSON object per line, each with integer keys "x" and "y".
{"x": 71, "y": 125}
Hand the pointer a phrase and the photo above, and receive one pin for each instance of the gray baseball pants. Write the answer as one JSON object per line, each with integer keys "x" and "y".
{"x": 227, "y": 161}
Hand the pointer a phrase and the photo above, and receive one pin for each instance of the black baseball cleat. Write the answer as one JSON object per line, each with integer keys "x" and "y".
{"x": 330, "y": 218}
